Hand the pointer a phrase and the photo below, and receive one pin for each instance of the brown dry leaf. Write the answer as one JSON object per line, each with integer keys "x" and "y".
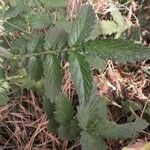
{"x": 138, "y": 146}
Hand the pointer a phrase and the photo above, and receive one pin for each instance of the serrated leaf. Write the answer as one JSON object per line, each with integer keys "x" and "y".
{"x": 83, "y": 25}
{"x": 103, "y": 27}
{"x": 35, "y": 68}
{"x": 54, "y": 3}
{"x": 90, "y": 143}
{"x": 92, "y": 112}
{"x": 117, "y": 50}
{"x": 81, "y": 75}
{"x": 108, "y": 129}
{"x": 53, "y": 77}
{"x": 56, "y": 38}
{"x": 39, "y": 20}
{"x": 15, "y": 24}
{"x": 64, "y": 110}
{"x": 70, "y": 131}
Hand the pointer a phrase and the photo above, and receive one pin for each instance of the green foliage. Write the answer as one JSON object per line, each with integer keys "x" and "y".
{"x": 49, "y": 109}
{"x": 39, "y": 20}
{"x": 17, "y": 8}
{"x": 35, "y": 68}
{"x": 15, "y": 24}
{"x": 81, "y": 75}
{"x": 41, "y": 39}
{"x": 56, "y": 38}
{"x": 83, "y": 25}
{"x": 53, "y": 77}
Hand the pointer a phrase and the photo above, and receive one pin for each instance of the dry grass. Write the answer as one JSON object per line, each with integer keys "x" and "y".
{"x": 23, "y": 125}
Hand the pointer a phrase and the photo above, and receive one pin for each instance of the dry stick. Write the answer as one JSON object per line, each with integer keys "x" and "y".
{"x": 144, "y": 108}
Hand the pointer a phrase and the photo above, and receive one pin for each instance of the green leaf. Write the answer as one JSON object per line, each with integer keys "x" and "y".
{"x": 2, "y": 73}
{"x": 39, "y": 20}
{"x": 117, "y": 50}
{"x": 104, "y": 27}
{"x": 70, "y": 131}
{"x": 63, "y": 23}
{"x": 54, "y": 3}
{"x": 64, "y": 110}
{"x": 118, "y": 18}
{"x": 53, "y": 77}
{"x": 16, "y": 8}
{"x": 56, "y": 38}
{"x": 88, "y": 142}
{"x": 19, "y": 46}
{"x": 48, "y": 108}
{"x": 92, "y": 112}
{"x": 81, "y": 75}
{"x": 107, "y": 27}
{"x": 108, "y": 129}
{"x": 83, "y": 25}
{"x": 52, "y": 125}
{"x": 32, "y": 3}
{"x": 35, "y": 68}
{"x": 33, "y": 42}
{"x": 15, "y": 24}
{"x": 3, "y": 99}
{"x": 96, "y": 61}
{"x": 4, "y": 86}
{"x": 116, "y": 14}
